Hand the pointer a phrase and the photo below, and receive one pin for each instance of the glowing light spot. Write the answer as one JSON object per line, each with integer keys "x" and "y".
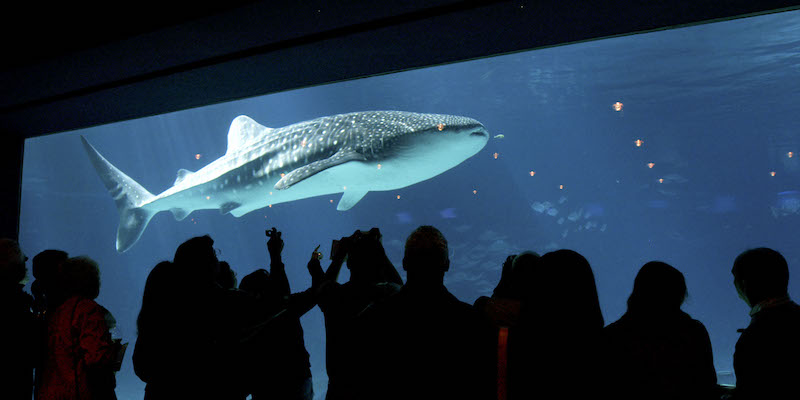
{"x": 561, "y": 187}
{"x": 303, "y": 143}
{"x": 638, "y": 142}
{"x": 282, "y": 175}
{"x": 208, "y": 197}
{"x": 398, "y": 197}
{"x": 270, "y": 193}
{"x": 344, "y": 187}
{"x": 533, "y": 173}
{"x": 474, "y": 191}
{"x": 495, "y": 155}
{"x": 660, "y": 180}
{"x": 379, "y": 166}
{"x": 790, "y": 154}
{"x": 331, "y": 201}
{"x": 617, "y": 106}
{"x": 440, "y": 127}
{"x": 270, "y": 205}
{"x": 651, "y": 165}
{"x": 772, "y": 173}
{"x": 197, "y": 156}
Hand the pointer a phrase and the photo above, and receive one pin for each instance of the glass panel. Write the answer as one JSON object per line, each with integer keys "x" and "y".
{"x": 678, "y": 145}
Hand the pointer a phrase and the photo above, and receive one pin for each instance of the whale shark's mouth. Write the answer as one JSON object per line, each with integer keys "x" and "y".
{"x": 478, "y": 132}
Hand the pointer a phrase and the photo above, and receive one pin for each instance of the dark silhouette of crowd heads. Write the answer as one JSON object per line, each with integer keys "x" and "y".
{"x": 541, "y": 333}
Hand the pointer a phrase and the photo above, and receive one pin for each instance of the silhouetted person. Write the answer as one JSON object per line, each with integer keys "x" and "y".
{"x": 372, "y": 278}
{"x": 423, "y": 343}
{"x": 17, "y": 340}
{"x": 562, "y": 338}
{"x": 767, "y": 356}
{"x": 195, "y": 353}
{"x": 226, "y": 278}
{"x": 277, "y": 363}
{"x": 81, "y": 356}
{"x": 47, "y": 296}
{"x": 46, "y": 266}
{"x": 657, "y": 351}
{"x": 504, "y": 310}
{"x": 161, "y": 338}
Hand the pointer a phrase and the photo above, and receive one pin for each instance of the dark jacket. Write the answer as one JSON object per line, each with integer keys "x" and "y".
{"x": 17, "y": 343}
{"x": 340, "y": 305}
{"x": 424, "y": 345}
{"x": 767, "y": 356}
{"x": 658, "y": 356}
{"x": 276, "y": 358}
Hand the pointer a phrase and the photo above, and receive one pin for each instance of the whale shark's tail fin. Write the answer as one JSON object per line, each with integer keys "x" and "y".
{"x": 127, "y": 194}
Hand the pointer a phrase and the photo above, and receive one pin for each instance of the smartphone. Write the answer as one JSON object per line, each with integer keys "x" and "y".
{"x": 334, "y": 247}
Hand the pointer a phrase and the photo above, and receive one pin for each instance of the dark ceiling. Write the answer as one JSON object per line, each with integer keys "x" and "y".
{"x": 69, "y": 65}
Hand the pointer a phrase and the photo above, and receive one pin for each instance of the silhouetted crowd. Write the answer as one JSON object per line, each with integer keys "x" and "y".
{"x": 541, "y": 334}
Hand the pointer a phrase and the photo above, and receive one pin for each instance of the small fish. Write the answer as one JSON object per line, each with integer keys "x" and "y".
{"x": 500, "y": 136}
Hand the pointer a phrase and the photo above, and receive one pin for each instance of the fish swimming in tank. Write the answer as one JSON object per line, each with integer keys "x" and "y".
{"x": 352, "y": 154}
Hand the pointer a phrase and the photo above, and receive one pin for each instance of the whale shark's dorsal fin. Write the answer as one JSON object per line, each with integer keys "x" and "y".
{"x": 243, "y": 131}
{"x": 340, "y": 157}
{"x": 182, "y": 175}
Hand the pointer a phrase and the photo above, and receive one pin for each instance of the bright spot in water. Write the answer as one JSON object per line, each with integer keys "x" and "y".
{"x": 617, "y": 106}
{"x": 208, "y": 197}
{"x": 533, "y": 173}
{"x": 303, "y": 143}
{"x": 269, "y": 205}
{"x": 282, "y": 175}
{"x": 495, "y": 155}
{"x": 398, "y": 197}
{"x": 638, "y": 142}
{"x": 440, "y": 127}
{"x": 474, "y": 192}
{"x": 790, "y": 154}
{"x": 651, "y": 165}
{"x": 197, "y": 156}
{"x": 772, "y": 173}
{"x": 379, "y": 166}
{"x": 660, "y": 180}
{"x": 561, "y": 187}
{"x": 344, "y": 187}
{"x": 331, "y": 201}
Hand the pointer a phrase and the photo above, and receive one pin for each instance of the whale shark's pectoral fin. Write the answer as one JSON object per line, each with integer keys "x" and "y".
{"x": 228, "y": 207}
{"x": 350, "y": 198}
{"x": 340, "y": 157}
{"x": 179, "y": 213}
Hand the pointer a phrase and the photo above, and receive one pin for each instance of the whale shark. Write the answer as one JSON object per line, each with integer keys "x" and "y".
{"x": 352, "y": 154}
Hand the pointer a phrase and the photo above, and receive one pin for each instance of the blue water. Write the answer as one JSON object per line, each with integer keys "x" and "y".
{"x": 713, "y": 106}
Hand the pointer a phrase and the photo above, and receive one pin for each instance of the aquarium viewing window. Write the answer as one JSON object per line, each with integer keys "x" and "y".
{"x": 679, "y": 145}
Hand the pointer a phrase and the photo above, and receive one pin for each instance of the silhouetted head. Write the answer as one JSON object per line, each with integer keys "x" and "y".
{"x": 12, "y": 262}
{"x": 46, "y": 264}
{"x": 46, "y": 269}
{"x": 760, "y": 274}
{"x": 658, "y": 287}
{"x": 426, "y": 255}
{"x": 523, "y": 272}
{"x": 81, "y": 277}
{"x": 198, "y": 258}
{"x": 256, "y": 282}
{"x": 566, "y": 290}
{"x": 366, "y": 256}
{"x": 226, "y": 277}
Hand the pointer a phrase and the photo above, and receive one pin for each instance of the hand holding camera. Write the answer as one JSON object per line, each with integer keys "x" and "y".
{"x": 275, "y": 243}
